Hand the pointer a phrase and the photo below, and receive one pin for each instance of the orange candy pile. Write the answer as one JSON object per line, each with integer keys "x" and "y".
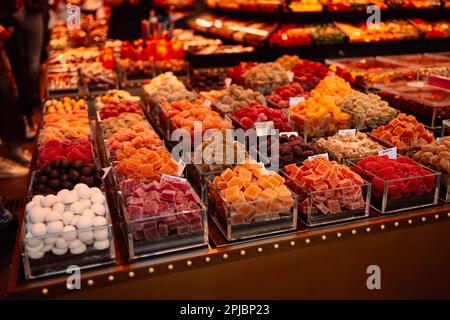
{"x": 136, "y": 137}
{"x": 143, "y": 163}
{"x": 253, "y": 192}
{"x": 65, "y": 125}
{"x": 64, "y": 105}
{"x": 404, "y": 132}
{"x": 184, "y": 113}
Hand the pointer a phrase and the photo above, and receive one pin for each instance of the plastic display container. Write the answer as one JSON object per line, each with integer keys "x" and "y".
{"x": 51, "y": 264}
{"x": 311, "y": 216}
{"x": 365, "y": 72}
{"x": 165, "y": 232}
{"x": 383, "y": 199}
{"x": 429, "y": 104}
{"x": 236, "y": 226}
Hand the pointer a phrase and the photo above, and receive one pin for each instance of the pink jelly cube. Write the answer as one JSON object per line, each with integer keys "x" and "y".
{"x": 152, "y": 195}
{"x": 151, "y": 207}
{"x": 151, "y": 234}
{"x": 163, "y": 230}
{"x": 133, "y": 201}
{"x": 163, "y": 207}
{"x": 137, "y": 234}
{"x": 135, "y": 212}
{"x": 334, "y": 206}
{"x": 182, "y": 229}
{"x": 168, "y": 195}
{"x": 323, "y": 208}
{"x": 195, "y": 227}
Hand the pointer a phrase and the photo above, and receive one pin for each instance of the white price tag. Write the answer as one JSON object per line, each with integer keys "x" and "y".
{"x": 439, "y": 139}
{"x": 416, "y": 84}
{"x": 446, "y": 123}
{"x": 264, "y": 128}
{"x": 295, "y": 100}
{"x": 207, "y": 103}
{"x": 166, "y": 177}
{"x": 346, "y": 132}
{"x": 322, "y": 155}
{"x": 106, "y": 171}
{"x": 290, "y": 75}
{"x": 228, "y": 82}
{"x": 292, "y": 133}
{"x": 391, "y": 153}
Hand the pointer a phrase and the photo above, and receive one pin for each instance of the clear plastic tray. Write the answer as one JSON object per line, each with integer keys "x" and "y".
{"x": 164, "y": 233}
{"x": 429, "y": 104}
{"x": 309, "y": 202}
{"x": 384, "y": 202}
{"x": 51, "y": 264}
{"x": 243, "y": 220}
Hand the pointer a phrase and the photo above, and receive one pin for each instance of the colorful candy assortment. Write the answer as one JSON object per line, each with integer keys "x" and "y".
{"x": 436, "y": 155}
{"x": 288, "y": 62}
{"x": 264, "y": 77}
{"x": 167, "y": 88}
{"x": 404, "y": 132}
{"x": 236, "y": 97}
{"x": 330, "y": 187}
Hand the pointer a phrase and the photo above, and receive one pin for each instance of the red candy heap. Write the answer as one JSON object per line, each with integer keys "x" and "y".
{"x": 280, "y": 96}
{"x": 309, "y": 73}
{"x": 259, "y": 113}
{"x": 113, "y": 109}
{"x": 80, "y": 149}
{"x": 381, "y": 169}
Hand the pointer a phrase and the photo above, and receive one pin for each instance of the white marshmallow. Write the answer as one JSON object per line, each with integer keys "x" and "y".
{"x": 98, "y": 198}
{"x": 59, "y": 252}
{"x": 38, "y": 229}
{"x": 86, "y": 236}
{"x": 86, "y": 203}
{"x": 59, "y": 207}
{"x": 98, "y": 209}
{"x": 53, "y": 216}
{"x": 99, "y": 221}
{"x": 69, "y": 233}
{"x": 35, "y": 248}
{"x": 37, "y": 198}
{"x": 50, "y": 240}
{"x": 61, "y": 244}
{"x": 76, "y": 207}
{"x": 62, "y": 193}
{"x": 31, "y": 205}
{"x": 75, "y": 220}
{"x": 49, "y": 200}
{"x": 80, "y": 186}
{"x": 47, "y": 247}
{"x": 84, "y": 192}
{"x": 75, "y": 194}
{"x": 69, "y": 198}
{"x": 84, "y": 222}
{"x": 77, "y": 247}
{"x": 37, "y": 214}
{"x": 67, "y": 217}
{"x": 89, "y": 242}
{"x": 101, "y": 245}
{"x": 30, "y": 241}
{"x": 101, "y": 234}
{"x": 55, "y": 227}
{"x": 88, "y": 213}
{"x": 95, "y": 190}
{"x": 35, "y": 255}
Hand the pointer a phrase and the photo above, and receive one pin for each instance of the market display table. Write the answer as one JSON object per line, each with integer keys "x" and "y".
{"x": 410, "y": 249}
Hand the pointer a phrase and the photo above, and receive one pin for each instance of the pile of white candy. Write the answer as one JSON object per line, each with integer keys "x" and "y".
{"x": 76, "y": 217}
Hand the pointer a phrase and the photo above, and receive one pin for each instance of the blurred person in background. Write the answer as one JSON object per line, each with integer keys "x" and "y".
{"x": 26, "y": 52}
{"x": 12, "y": 128}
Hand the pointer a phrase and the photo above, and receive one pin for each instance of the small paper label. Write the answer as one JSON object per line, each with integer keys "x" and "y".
{"x": 166, "y": 177}
{"x": 346, "y": 132}
{"x": 292, "y": 133}
{"x": 264, "y": 128}
{"x": 439, "y": 139}
{"x": 207, "y": 103}
{"x": 106, "y": 171}
{"x": 391, "y": 153}
{"x": 295, "y": 100}
{"x": 321, "y": 155}
{"x": 446, "y": 123}
{"x": 290, "y": 75}
{"x": 228, "y": 82}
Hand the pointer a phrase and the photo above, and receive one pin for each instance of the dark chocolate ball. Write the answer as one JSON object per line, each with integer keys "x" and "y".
{"x": 54, "y": 173}
{"x": 66, "y": 164}
{"x": 88, "y": 180}
{"x": 67, "y": 185}
{"x": 55, "y": 164}
{"x": 64, "y": 177}
{"x": 78, "y": 164}
{"x": 42, "y": 179}
{"x": 87, "y": 171}
{"x": 74, "y": 176}
{"x": 41, "y": 187}
{"x": 55, "y": 184}
{"x": 46, "y": 170}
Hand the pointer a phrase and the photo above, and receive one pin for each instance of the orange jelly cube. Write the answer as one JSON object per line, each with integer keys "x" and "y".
{"x": 275, "y": 206}
{"x": 268, "y": 194}
{"x": 146, "y": 170}
{"x": 252, "y": 192}
{"x": 133, "y": 165}
{"x": 232, "y": 194}
{"x": 235, "y": 181}
{"x": 226, "y": 175}
{"x": 264, "y": 183}
{"x": 245, "y": 175}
